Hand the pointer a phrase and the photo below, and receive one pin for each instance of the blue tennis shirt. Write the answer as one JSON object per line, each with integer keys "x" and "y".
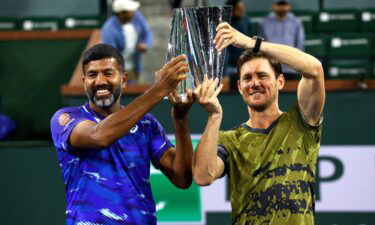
{"x": 109, "y": 185}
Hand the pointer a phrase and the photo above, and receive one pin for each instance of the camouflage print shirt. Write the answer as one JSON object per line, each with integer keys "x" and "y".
{"x": 272, "y": 171}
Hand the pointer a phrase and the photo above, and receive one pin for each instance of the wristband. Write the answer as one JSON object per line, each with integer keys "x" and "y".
{"x": 258, "y": 42}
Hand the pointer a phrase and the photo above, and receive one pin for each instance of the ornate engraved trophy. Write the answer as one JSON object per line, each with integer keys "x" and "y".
{"x": 192, "y": 33}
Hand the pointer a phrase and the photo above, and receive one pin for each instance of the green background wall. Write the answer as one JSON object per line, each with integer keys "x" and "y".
{"x": 31, "y": 73}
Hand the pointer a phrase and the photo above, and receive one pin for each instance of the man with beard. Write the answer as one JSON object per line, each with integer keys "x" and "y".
{"x": 105, "y": 149}
{"x": 270, "y": 159}
{"x": 283, "y": 27}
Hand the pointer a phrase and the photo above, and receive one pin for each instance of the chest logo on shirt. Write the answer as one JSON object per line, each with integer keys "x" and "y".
{"x": 134, "y": 129}
{"x": 64, "y": 119}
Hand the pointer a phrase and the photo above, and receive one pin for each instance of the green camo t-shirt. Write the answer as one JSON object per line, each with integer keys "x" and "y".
{"x": 272, "y": 171}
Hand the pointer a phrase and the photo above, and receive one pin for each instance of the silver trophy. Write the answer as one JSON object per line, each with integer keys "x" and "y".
{"x": 192, "y": 33}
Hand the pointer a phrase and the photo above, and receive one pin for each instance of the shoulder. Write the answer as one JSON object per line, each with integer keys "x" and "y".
{"x": 149, "y": 121}
{"x": 66, "y": 113}
{"x": 110, "y": 24}
{"x": 295, "y": 115}
{"x": 293, "y": 18}
{"x": 231, "y": 134}
{"x": 65, "y": 118}
{"x": 138, "y": 15}
{"x": 268, "y": 18}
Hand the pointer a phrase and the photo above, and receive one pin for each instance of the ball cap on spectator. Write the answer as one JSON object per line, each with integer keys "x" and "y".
{"x": 281, "y": 1}
{"x": 125, "y": 5}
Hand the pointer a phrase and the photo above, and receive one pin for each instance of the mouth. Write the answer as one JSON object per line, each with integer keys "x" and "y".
{"x": 102, "y": 92}
{"x": 257, "y": 93}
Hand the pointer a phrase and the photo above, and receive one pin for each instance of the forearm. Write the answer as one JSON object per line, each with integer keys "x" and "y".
{"x": 119, "y": 123}
{"x": 204, "y": 162}
{"x": 306, "y": 64}
{"x": 182, "y": 163}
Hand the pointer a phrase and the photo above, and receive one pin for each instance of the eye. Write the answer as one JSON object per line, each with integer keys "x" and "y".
{"x": 246, "y": 78}
{"x": 91, "y": 75}
{"x": 109, "y": 73}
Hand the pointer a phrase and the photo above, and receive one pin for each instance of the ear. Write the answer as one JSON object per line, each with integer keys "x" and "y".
{"x": 124, "y": 79}
{"x": 280, "y": 82}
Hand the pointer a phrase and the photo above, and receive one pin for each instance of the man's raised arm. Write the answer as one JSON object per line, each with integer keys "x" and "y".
{"x": 88, "y": 134}
{"x": 207, "y": 166}
{"x": 311, "y": 91}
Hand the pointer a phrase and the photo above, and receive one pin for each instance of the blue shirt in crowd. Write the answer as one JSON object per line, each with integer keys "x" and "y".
{"x": 112, "y": 34}
{"x": 289, "y": 31}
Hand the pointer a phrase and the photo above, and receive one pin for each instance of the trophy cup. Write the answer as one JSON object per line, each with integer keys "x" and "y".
{"x": 192, "y": 33}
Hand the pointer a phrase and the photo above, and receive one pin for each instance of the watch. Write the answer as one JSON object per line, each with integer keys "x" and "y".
{"x": 258, "y": 42}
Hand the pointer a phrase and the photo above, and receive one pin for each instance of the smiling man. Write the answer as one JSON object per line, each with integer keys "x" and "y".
{"x": 105, "y": 149}
{"x": 270, "y": 158}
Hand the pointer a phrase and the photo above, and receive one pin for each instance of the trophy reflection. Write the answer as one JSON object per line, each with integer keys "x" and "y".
{"x": 192, "y": 33}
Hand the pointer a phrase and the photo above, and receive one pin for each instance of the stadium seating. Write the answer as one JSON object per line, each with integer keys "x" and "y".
{"x": 82, "y": 22}
{"x": 368, "y": 20}
{"x": 9, "y": 24}
{"x": 40, "y": 23}
{"x": 308, "y": 19}
{"x": 331, "y": 21}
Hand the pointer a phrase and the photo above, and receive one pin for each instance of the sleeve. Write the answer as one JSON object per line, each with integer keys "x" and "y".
{"x": 109, "y": 34}
{"x": 146, "y": 33}
{"x": 223, "y": 151}
{"x": 312, "y": 134}
{"x": 262, "y": 27}
{"x": 300, "y": 36}
{"x": 62, "y": 124}
{"x": 108, "y": 37}
{"x": 223, "y": 155}
{"x": 159, "y": 142}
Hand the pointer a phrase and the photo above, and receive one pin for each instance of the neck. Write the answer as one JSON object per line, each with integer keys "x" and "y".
{"x": 264, "y": 119}
{"x": 105, "y": 112}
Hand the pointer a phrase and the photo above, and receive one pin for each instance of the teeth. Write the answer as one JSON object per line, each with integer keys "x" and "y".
{"x": 102, "y": 92}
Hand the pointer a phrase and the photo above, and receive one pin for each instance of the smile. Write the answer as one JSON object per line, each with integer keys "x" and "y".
{"x": 103, "y": 92}
{"x": 257, "y": 93}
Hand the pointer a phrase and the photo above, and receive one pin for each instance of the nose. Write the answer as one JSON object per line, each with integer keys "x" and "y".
{"x": 255, "y": 82}
{"x": 100, "y": 79}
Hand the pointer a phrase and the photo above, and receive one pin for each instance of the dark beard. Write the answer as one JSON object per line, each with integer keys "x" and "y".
{"x": 261, "y": 108}
{"x": 105, "y": 103}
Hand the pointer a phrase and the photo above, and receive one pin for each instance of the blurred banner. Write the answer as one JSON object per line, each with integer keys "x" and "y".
{"x": 345, "y": 184}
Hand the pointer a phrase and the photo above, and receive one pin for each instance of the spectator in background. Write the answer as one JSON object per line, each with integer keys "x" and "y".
{"x": 129, "y": 32}
{"x": 7, "y": 126}
{"x": 241, "y": 22}
{"x": 283, "y": 27}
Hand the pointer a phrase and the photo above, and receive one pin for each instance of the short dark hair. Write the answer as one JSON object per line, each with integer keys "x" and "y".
{"x": 101, "y": 51}
{"x": 233, "y": 3}
{"x": 249, "y": 55}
